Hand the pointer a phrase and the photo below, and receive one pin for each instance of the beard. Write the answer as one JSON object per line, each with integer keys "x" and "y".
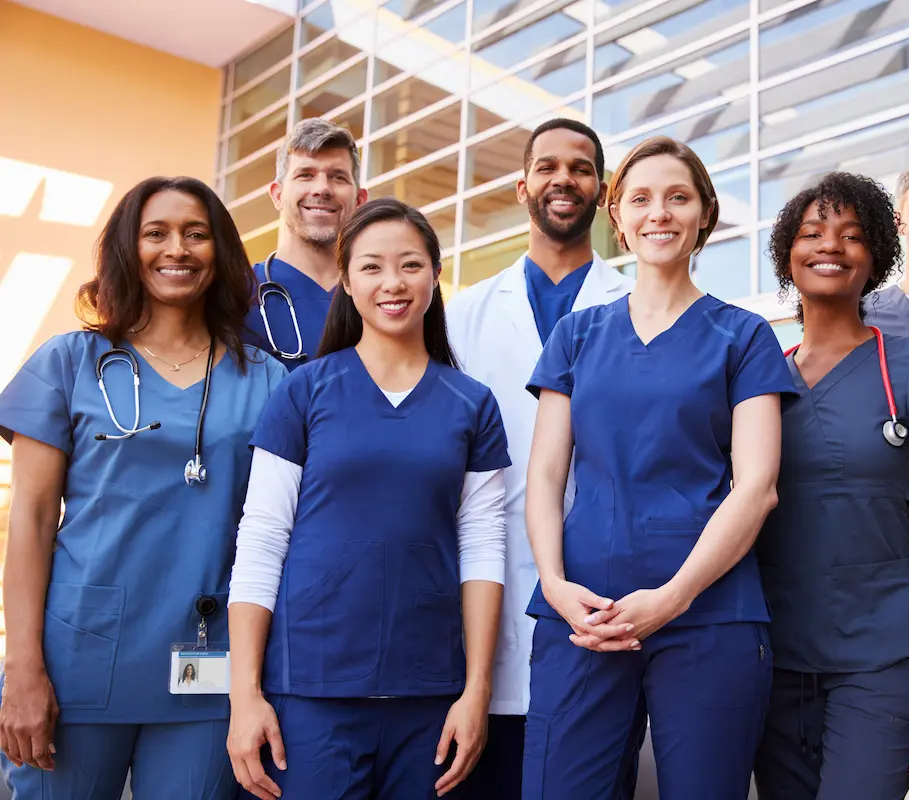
{"x": 556, "y": 229}
{"x": 315, "y": 235}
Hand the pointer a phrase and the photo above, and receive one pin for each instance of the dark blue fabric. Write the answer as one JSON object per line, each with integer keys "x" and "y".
{"x": 652, "y": 428}
{"x": 311, "y": 304}
{"x": 551, "y": 301}
{"x": 369, "y": 602}
{"x": 834, "y": 554}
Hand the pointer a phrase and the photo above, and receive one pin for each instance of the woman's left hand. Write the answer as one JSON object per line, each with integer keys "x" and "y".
{"x": 647, "y": 609}
{"x": 465, "y": 724}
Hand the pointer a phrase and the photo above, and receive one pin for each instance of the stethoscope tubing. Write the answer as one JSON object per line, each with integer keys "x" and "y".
{"x": 267, "y": 287}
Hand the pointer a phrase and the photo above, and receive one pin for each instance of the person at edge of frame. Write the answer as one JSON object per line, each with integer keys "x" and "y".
{"x": 834, "y": 554}
{"x": 373, "y": 537}
{"x": 315, "y": 190}
{"x": 650, "y": 600}
{"x": 888, "y": 309}
{"x": 95, "y": 602}
{"x": 498, "y": 328}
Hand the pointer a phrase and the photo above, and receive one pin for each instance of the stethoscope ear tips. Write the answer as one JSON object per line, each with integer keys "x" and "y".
{"x": 895, "y": 432}
{"x": 154, "y": 426}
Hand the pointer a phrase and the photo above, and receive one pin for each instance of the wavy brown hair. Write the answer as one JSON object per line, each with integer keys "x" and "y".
{"x": 113, "y": 301}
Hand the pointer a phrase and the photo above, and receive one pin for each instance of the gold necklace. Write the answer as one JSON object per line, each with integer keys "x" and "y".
{"x": 174, "y": 367}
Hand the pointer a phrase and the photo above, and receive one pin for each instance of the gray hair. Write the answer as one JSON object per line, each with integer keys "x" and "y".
{"x": 902, "y": 186}
{"x": 311, "y": 136}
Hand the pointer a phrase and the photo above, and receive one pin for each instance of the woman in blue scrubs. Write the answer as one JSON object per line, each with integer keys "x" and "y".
{"x": 649, "y": 601}
{"x": 95, "y": 601}
{"x": 372, "y": 544}
{"x": 834, "y": 554}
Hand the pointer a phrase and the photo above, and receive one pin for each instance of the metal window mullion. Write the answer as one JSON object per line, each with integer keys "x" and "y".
{"x": 754, "y": 54}
{"x": 294, "y": 76}
{"x": 462, "y": 153}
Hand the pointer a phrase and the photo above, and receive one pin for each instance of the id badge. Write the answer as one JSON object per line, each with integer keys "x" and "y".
{"x": 195, "y": 670}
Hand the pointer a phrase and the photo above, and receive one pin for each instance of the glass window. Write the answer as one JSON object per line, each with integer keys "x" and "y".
{"x": 879, "y": 151}
{"x": 445, "y": 279}
{"x": 424, "y": 185}
{"x": 249, "y": 178}
{"x": 258, "y": 247}
{"x": 661, "y": 30}
{"x": 496, "y": 157}
{"x": 767, "y": 281}
{"x": 254, "y": 214}
{"x": 325, "y": 57}
{"x": 733, "y": 190}
{"x": 443, "y": 222}
{"x": 706, "y": 75}
{"x": 526, "y": 37}
{"x": 488, "y": 12}
{"x": 602, "y": 235}
{"x": 821, "y": 29}
{"x": 317, "y": 21}
{"x": 266, "y": 56}
{"x": 417, "y": 140}
{"x": 788, "y": 333}
{"x": 854, "y": 89}
{"x": 560, "y": 75}
{"x": 723, "y": 269}
{"x": 492, "y": 212}
{"x": 335, "y": 14}
{"x": 491, "y": 259}
{"x": 333, "y": 93}
{"x": 352, "y": 119}
{"x": 408, "y": 48}
{"x": 260, "y": 96}
{"x": 261, "y": 133}
{"x": 451, "y": 25}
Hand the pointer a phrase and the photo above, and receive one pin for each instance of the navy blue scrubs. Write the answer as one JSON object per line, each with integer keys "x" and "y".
{"x": 311, "y": 304}
{"x": 364, "y": 655}
{"x": 551, "y": 301}
{"x": 834, "y": 559}
{"x": 888, "y": 309}
{"x": 652, "y": 428}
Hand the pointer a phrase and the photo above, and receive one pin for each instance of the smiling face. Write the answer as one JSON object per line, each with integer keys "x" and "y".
{"x": 176, "y": 249}
{"x": 318, "y": 194}
{"x": 561, "y": 188}
{"x": 660, "y": 213}
{"x": 830, "y": 257}
{"x": 391, "y": 278}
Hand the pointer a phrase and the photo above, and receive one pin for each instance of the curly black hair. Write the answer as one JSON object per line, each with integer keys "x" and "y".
{"x": 838, "y": 190}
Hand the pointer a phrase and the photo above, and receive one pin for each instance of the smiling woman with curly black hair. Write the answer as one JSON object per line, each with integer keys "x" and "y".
{"x": 834, "y": 554}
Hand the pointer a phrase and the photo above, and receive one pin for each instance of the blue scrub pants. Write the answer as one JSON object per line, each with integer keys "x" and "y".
{"x": 705, "y": 689}
{"x": 359, "y": 748}
{"x": 836, "y": 736}
{"x": 180, "y": 760}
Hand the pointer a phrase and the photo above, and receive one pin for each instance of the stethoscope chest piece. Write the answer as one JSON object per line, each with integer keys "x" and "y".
{"x": 194, "y": 472}
{"x": 895, "y": 432}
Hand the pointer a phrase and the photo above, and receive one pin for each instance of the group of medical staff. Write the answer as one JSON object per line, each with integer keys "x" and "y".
{"x": 467, "y": 550}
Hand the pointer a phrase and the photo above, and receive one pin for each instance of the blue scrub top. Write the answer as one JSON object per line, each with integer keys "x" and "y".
{"x": 369, "y": 603}
{"x": 137, "y": 546}
{"x": 888, "y": 309}
{"x": 652, "y": 431}
{"x": 311, "y": 304}
{"x": 551, "y": 301}
{"x": 834, "y": 554}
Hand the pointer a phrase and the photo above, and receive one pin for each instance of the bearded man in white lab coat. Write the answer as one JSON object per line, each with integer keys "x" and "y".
{"x": 498, "y": 328}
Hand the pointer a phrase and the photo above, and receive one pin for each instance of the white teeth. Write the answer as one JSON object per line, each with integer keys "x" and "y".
{"x": 394, "y": 306}
{"x": 561, "y": 203}
{"x": 836, "y": 267}
{"x": 317, "y": 210}
{"x": 169, "y": 271}
{"x": 660, "y": 237}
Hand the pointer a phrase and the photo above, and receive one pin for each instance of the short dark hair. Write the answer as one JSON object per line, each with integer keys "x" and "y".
{"x": 570, "y": 125}
{"x": 837, "y": 191}
{"x": 112, "y": 302}
{"x": 344, "y": 325}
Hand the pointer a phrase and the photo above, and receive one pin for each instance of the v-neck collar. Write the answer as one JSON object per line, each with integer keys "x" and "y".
{"x": 855, "y": 357}
{"x": 145, "y": 368}
{"x": 294, "y": 276}
{"x": 377, "y": 397}
{"x": 626, "y": 326}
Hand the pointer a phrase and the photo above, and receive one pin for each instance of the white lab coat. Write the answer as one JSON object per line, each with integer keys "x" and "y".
{"x": 495, "y": 338}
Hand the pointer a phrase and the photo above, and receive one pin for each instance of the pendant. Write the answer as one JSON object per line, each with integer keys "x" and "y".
{"x": 175, "y": 367}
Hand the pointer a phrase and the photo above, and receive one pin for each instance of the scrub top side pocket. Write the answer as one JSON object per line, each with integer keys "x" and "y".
{"x": 667, "y": 544}
{"x": 588, "y": 547}
{"x": 81, "y": 636}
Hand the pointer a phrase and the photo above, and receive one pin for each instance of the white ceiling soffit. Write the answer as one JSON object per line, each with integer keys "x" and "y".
{"x": 210, "y": 32}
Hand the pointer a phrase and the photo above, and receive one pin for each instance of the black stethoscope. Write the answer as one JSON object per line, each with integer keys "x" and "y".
{"x": 194, "y": 472}
{"x": 267, "y": 287}
{"x": 895, "y": 432}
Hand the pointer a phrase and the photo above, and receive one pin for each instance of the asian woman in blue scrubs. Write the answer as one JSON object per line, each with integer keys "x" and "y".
{"x": 649, "y": 601}
{"x": 834, "y": 554}
{"x": 95, "y": 603}
{"x": 372, "y": 543}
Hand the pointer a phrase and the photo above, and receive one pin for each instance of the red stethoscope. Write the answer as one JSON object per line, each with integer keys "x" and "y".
{"x": 895, "y": 432}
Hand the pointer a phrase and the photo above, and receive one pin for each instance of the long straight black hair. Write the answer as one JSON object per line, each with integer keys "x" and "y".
{"x": 344, "y": 325}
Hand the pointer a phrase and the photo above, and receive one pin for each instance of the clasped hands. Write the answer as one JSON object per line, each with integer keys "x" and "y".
{"x": 604, "y": 625}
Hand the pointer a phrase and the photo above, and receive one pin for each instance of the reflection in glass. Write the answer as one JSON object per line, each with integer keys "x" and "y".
{"x": 723, "y": 269}
{"x": 419, "y": 139}
{"x": 254, "y": 214}
{"x": 560, "y": 75}
{"x": 706, "y": 75}
{"x": 249, "y": 178}
{"x": 260, "y": 96}
{"x": 496, "y": 157}
{"x": 404, "y": 99}
{"x": 450, "y": 25}
{"x": 492, "y": 212}
{"x": 258, "y": 247}
{"x": 445, "y": 279}
{"x": 733, "y": 190}
{"x": 839, "y": 94}
{"x": 333, "y": 93}
{"x": 266, "y": 56}
{"x": 419, "y": 51}
{"x": 422, "y": 186}
{"x": 767, "y": 281}
{"x": 352, "y": 119}
{"x": 525, "y": 37}
{"x": 443, "y": 222}
{"x": 822, "y": 29}
{"x": 326, "y": 56}
{"x": 256, "y": 136}
{"x": 491, "y": 259}
{"x": 877, "y": 152}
